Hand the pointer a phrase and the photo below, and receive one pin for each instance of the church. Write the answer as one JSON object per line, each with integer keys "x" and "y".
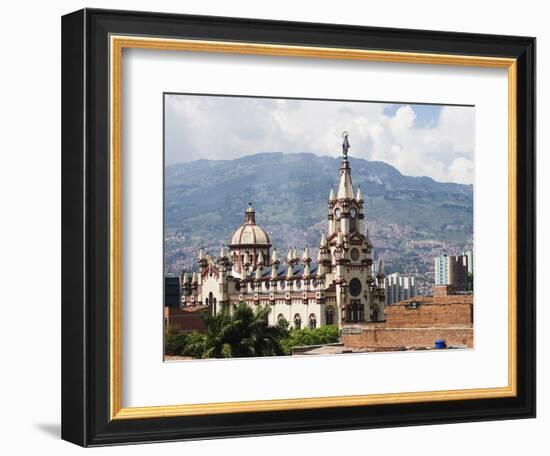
{"x": 335, "y": 288}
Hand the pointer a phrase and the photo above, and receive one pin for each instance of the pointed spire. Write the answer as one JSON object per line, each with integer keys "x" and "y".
{"x": 222, "y": 252}
{"x": 345, "y": 186}
{"x": 289, "y": 256}
{"x": 331, "y": 196}
{"x": 274, "y": 271}
{"x": 274, "y": 257}
{"x": 260, "y": 261}
{"x": 295, "y": 256}
{"x": 305, "y": 256}
{"x": 201, "y": 253}
{"x": 246, "y": 258}
{"x": 320, "y": 268}
{"x": 307, "y": 270}
{"x": 323, "y": 242}
{"x": 359, "y": 196}
{"x": 258, "y": 273}
{"x": 185, "y": 278}
{"x": 381, "y": 268}
{"x": 195, "y": 278}
{"x": 290, "y": 271}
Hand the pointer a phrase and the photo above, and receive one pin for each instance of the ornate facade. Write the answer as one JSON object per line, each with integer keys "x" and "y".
{"x": 339, "y": 287}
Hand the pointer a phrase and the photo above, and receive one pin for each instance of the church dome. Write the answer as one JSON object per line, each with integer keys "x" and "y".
{"x": 249, "y": 233}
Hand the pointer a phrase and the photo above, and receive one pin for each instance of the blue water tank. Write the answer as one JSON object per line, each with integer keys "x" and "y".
{"x": 440, "y": 343}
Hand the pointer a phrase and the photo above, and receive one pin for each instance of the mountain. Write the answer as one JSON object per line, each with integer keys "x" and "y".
{"x": 411, "y": 219}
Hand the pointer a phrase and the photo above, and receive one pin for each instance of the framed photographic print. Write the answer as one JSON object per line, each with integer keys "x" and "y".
{"x": 278, "y": 227}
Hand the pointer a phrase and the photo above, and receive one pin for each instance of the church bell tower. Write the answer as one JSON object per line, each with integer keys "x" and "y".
{"x": 350, "y": 250}
{"x": 345, "y": 208}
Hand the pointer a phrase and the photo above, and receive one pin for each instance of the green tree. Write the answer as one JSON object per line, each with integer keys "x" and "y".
{"x": 319, "y": 336}
{"x": 174, "y": 341}
{"x": 244, "y": 333}
{"x": 194, "y": 346}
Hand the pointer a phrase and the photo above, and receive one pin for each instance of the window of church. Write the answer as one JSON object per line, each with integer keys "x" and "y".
{"x": 267, "y": 285}
{"x": 355, "y": 287}
{"x": 374, "y": 313}
{"x": 354, "y": 254}
{"x": 297, "y": 321}
{"x": 312, "y": 321}
{"x": 329, "y": 315}
{"x": 298, "y": 283}
{"x": 282, "y": 284}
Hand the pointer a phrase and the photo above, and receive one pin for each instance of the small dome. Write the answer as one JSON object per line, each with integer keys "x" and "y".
{"x": 249, "y": 233}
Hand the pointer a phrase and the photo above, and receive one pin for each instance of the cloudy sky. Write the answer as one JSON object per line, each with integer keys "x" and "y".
{"x": 419, "y": 140}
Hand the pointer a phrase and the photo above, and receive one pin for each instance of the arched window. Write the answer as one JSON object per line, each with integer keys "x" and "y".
{"x": 267, "y": 285}
{"x": 312, "y": 321}
{"x": 355, "y": 312}
{"x": 297, "y": 321}
{"x": 282, "y": 284}
{"x": 374, "y": 313}
{"x": 329, "y": 315}
{"x": 298, "y": 283}
{"x": 280, "y": 317}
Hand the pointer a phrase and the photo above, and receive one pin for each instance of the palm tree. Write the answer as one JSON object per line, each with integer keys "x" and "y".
{"x": 245, "y": 333}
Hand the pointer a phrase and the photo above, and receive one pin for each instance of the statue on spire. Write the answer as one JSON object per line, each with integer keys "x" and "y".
{"x": 345, "y": 144}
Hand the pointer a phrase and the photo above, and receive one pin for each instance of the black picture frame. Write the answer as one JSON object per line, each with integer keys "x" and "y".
{"x": 85, "y": 227}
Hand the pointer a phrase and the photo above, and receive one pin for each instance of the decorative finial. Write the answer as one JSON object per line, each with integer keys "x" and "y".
{"x": 250, "y": 214}
{"x": 381, "y": 268}
{"x": 260, "y": 260}
{"x": 345, "y": 144}
{"x": 359, "y": 196}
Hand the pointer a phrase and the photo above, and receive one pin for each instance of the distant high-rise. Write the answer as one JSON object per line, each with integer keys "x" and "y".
{"x": 172, "y": 294}
{"x": 399, "y": 287}
{"x": 470, "y": 255}
{"x": 451, "y": 270}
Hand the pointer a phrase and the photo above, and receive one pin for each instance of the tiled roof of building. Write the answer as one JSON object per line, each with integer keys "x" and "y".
{"x": 298, "y": 271}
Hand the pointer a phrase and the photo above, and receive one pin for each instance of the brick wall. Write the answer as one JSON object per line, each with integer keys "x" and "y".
{"x": 185, "y": 319}
{"x": 417, "y": 323}
{"x": 440, "y": 315}
{"x": 392, "y": 338}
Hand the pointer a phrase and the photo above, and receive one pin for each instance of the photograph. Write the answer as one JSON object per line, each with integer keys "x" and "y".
{"x": 297, "y": 227}
{"x": 288, "y": 224}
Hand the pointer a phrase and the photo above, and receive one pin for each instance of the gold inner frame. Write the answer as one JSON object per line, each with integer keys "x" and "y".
{"x": 117, "y": 44}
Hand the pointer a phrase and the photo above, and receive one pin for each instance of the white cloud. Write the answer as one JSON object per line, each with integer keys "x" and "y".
{"x": 461, "y": 168}
{"x": 231, "y": 127}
